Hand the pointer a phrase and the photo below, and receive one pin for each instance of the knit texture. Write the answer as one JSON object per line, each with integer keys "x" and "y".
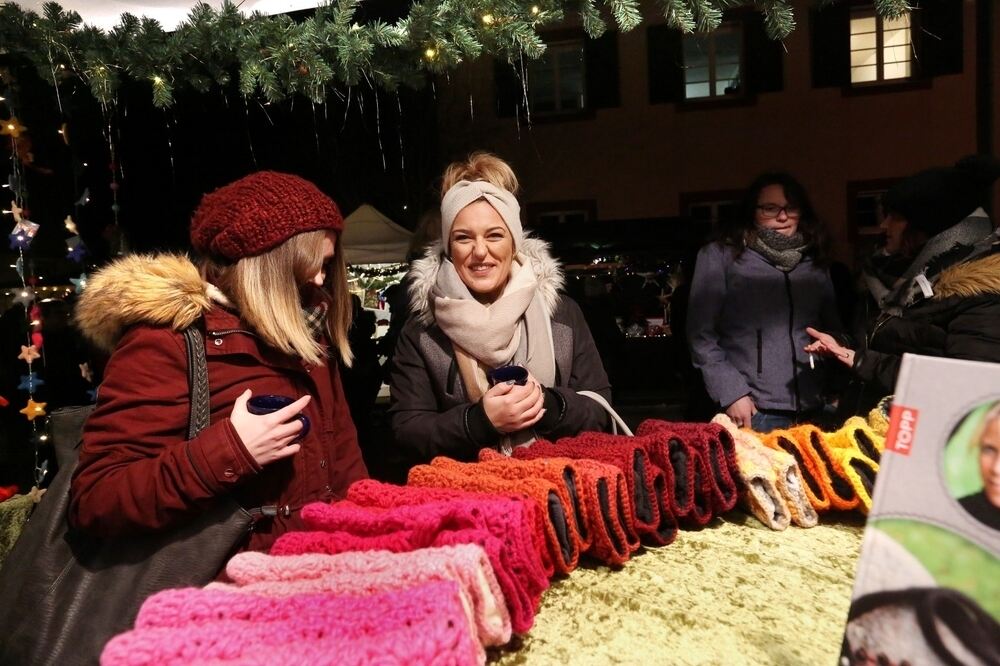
{"x": 717, "y": 448}
{"x": 856, "y": 450}
{"x": 692, "y": 476}
{"x": 376, "y": 571}
{"x": 424, "y": 624}
{"x": 602, "y": 499}
{"x": 652, "y": 517}
{"x": 259, "y": 212}
{"x": 516, "y": 560}
{"x": 830, "y": 463}
{"x": 757, "y": 478}
{"x": 878, "y": 417}
{"x": 562, "y": 535}
{"x": 815, "y": 477}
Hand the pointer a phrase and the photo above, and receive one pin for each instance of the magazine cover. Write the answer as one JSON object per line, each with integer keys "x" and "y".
{"x": 927, "y": 589}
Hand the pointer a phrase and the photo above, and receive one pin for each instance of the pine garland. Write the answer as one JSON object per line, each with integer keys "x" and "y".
{"x": 278, "y": 57}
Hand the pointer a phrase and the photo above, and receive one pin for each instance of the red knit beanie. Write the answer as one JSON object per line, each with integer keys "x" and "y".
{"x": 259, "y": 212}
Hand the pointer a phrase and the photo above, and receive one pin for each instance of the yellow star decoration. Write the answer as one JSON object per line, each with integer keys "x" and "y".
{"x": 70, "y": 225}
{"x": 86, "y": 372}
{"x": 16, "y": 210}
{"x": 29, "y": 353}
{"x": 12, "y": 127}
{"x": 34, "y": 409}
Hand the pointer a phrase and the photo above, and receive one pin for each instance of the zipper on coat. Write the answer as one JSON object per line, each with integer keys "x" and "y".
{"x": 760, "y": 352}
{"x": 791, "y": 342}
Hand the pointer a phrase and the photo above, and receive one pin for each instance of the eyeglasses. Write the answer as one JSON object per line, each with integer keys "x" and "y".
{"x": 771, "y": 211}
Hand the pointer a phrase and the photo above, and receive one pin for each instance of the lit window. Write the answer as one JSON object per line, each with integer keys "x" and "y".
{"x": 881, "y": 49}
{"x": 713, "y": 63}
{"x": 556, "y": 80}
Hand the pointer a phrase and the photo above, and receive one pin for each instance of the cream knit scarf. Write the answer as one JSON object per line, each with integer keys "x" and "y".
{"x": 513, "y": 329}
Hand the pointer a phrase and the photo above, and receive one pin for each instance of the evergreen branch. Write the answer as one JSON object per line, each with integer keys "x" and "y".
{"x": 593, "y": 24}
{"x": 626, "y": 13}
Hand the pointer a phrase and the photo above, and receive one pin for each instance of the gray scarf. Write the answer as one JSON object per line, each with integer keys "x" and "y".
{"x": 784, "y": 252}
{"x": 971, "y": 238}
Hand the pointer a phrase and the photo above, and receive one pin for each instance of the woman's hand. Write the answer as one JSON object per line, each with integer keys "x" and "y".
{"x": 742, "y": 411}
{"x": 268, "y": 437}
{"x": 510, "y": 407}
{"x": 823, "y": 343}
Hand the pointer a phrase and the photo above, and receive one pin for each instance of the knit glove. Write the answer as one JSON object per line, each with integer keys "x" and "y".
{"x": 651, "y": 515}
{"x": 360, "y": 573}
{"x": 692, "y": 490}
{"x": 858, "y": 450}
{"x": 602, "y": 497}
{"x": 760, "y": 495}
{"x": 424, "y": 624}
{"x": 554, "y": 509}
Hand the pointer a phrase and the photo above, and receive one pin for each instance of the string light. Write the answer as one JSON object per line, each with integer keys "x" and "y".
{"x": 430, "y": 53}
{"x": 535, "y": 9}
{"x": 487, "y": 19}
{"x": 157, "y": 80}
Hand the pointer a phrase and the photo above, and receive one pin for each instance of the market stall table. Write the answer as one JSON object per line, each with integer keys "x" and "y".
{"x": 732, "y": 593}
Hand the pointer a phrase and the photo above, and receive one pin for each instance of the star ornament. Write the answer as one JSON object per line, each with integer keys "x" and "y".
{"x": 80, "y": 283}
{"x": 70, "y": 225}
{"x": 24, "y": 296}
{"x": 29, "y": 354}
{"x": 16, "y": 211}
{"x": 12, "y": 127}
{"x": 30, "y": 382}
{"x": 33, "y": 409}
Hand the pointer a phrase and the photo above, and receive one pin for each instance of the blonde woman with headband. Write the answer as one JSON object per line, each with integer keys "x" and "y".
{"x": 494, "y": 355}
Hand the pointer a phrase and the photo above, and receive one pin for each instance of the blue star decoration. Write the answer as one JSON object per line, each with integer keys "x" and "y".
{"x": 77, "y": 249}
{"x": 19, "y": 267}
{"x": 80, "y": 283}
{"x": 20, "y": 240}
{"x": 92, "y": 395}
{"x": 30, "y": 382}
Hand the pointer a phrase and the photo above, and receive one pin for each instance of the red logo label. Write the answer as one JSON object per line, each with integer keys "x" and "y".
{"x": 902, "y": 429}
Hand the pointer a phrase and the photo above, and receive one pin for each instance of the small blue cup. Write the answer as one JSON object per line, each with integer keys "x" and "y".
{"x": 269, "y": 403}
{"x": 508, "y": 373}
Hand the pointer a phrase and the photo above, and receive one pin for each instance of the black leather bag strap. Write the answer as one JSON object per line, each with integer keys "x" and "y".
{"x": 197, "y": 363}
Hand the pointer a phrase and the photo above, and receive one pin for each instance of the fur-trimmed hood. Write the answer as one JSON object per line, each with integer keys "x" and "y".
{"x": 980, "y": 277}
{"x": 160, "y": 290}
{"x": 423, "y": 276}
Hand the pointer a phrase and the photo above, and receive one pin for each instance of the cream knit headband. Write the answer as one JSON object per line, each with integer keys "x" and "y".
{"x": 464, "y": 192}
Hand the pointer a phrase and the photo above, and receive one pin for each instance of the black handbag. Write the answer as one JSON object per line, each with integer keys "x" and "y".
{"x": 64, "y": 594}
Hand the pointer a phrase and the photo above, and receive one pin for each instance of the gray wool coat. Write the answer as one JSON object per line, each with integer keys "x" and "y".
{"x": 747, "y": 328}
{"x": 430, "y": 411}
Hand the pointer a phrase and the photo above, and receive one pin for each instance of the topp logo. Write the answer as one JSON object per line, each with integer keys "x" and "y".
{"x": 902, "y": 429}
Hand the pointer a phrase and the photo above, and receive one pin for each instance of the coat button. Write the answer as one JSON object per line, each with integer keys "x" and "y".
{"x": 329, "y": 488}
{"x": 218, "y": 342}
{"x": 322, "y": 463}
{"x": 229, "y": 473}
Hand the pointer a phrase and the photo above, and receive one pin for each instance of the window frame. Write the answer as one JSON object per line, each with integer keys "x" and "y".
{"x": 868, "y": 11}
{"x": 738, "y": 26}
{"x": 562, "y": 40}
{"x": 536, "y": 210}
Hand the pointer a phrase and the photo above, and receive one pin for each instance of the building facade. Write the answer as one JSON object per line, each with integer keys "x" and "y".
{"x": 657, "y": 125}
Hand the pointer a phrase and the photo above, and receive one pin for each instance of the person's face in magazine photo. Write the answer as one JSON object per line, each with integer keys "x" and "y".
{"x": 973, "y": 465}
{"x": 989, "y": 462}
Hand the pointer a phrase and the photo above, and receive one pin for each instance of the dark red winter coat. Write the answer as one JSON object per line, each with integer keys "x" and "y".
{"x": 137, "y": 473}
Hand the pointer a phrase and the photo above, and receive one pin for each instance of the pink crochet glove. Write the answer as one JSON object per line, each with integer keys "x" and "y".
{"x": 424, "y": 624}
{"x": 360, "y": 573}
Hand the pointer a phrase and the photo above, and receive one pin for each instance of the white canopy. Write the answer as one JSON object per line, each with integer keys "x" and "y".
{"x": 106, "y": 14}
{"x": 372, "y": 238}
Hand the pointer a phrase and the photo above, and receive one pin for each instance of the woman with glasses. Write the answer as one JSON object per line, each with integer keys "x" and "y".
{"x": 754, "y": 292}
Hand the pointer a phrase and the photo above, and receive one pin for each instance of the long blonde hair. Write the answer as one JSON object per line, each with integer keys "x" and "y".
{"x": 480, "y": 165}
{"x": 265, "y": 291}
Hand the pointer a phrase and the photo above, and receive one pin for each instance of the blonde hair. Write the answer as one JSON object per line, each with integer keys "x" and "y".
{"x": 265, "y": 291}
{"x": 480, "y": 165}
{"x": 993, "y": 414}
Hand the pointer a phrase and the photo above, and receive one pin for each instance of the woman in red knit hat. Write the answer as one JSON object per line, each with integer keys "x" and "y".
{"x": 270, "y": 296}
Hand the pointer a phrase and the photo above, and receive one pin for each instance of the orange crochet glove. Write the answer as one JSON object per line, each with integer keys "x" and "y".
{"x": 651, "y": 515}
{"x": 814, "y": 476}
{"x": 562, "y": 537}
{"x": 604, "y": 516}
